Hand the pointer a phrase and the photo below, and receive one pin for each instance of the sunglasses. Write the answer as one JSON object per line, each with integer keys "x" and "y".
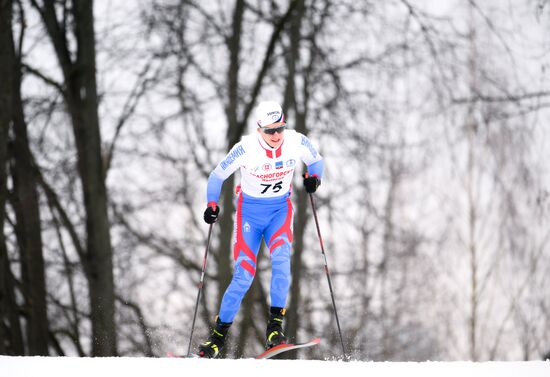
{"x": 271, "y": 131}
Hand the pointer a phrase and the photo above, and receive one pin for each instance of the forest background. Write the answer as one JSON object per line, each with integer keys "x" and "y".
{"x": 432, "y": 118}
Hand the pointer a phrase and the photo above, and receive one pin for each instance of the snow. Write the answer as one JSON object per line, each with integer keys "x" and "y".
{"x": 167, "y": 367}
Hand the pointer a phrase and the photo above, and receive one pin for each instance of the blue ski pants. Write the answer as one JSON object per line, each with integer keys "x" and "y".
{"x": 257, "y": 218}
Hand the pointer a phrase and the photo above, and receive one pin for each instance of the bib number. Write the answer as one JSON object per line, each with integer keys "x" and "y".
{"x": 275, "y": 187}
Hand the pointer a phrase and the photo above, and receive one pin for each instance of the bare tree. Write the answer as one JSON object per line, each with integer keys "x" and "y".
{"x": 28, "y": 225}
{"x": 80, "y": 95}
{"x": 10, "y": 336}
{"x": 434, "y": 193}
{"x": 24, "y": 200}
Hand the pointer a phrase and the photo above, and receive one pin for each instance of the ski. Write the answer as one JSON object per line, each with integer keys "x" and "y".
{"x": 265, "y": 355}
{"x": 175, "y": 356}
{"x": 287, "y": 347}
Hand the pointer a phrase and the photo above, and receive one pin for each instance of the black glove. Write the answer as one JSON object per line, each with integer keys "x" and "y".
{"x": 211, "y": 213}
{"x": 311, "y": 183}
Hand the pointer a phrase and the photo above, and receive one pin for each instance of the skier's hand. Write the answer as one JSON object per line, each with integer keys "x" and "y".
{"x": 311, "y": 183}
{"x": 211, "y": 213}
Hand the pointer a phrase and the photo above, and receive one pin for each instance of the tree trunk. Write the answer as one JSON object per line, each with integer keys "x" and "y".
{"x": 388, "y": 249}
{"x": 301, "y": 216}
{"x": 6, "y": 65}
{"x": 83, "y": 109}
{"x": 26, "y": 204}
{"x": 10, "y": 329}
{"x": 471, "y": 127}
{"x": 82, "y": 102}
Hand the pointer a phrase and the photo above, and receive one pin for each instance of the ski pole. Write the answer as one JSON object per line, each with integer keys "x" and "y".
{"x": 327, "y": 273}
{"x": 201, "y": 283}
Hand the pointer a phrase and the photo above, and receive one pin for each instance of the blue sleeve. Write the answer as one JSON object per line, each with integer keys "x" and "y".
{"x": 213, "y": 188}
{"x": 316, "y": 169}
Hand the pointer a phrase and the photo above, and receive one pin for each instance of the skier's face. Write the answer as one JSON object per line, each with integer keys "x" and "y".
{"x": 273, "y": 134}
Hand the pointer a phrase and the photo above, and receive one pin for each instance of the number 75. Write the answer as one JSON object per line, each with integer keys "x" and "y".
{"x": 276, "y": 187}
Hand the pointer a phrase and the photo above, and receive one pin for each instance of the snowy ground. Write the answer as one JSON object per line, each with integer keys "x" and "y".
{"x": 149, "y": 367}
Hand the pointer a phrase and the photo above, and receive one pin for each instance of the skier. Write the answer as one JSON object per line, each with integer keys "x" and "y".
{"x": 267, "y": 159}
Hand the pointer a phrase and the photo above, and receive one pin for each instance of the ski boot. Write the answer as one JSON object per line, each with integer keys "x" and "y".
{"x": 274, "y": 332}
{"x": 211, "y": 348}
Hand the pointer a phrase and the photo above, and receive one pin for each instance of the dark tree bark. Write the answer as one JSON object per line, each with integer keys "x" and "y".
{"x": 6, "y": 62}
{"x": 27, "y": 211}
{"x": 300, "y": 212}
{"x": 80, "y": 95}
{"x": 11, "y": 341}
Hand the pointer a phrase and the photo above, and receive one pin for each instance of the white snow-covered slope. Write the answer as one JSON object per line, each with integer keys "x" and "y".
{"x": 166, "y": 367}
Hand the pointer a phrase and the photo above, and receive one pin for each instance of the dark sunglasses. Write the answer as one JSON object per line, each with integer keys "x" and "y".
{"x": 271, "y": 131}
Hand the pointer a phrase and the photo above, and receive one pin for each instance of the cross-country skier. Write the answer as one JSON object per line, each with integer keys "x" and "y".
{"x": 267, "y": 159}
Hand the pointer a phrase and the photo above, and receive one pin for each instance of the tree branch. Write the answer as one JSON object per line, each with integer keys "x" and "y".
{"x": 278, "y": 28}
{"x": 48, "y": 80}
